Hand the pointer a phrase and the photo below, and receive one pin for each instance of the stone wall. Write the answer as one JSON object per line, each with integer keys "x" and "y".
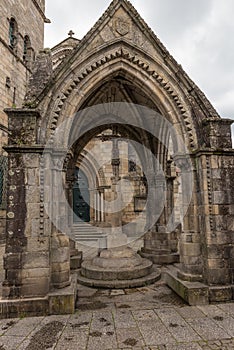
{"x": 13, "y": 71}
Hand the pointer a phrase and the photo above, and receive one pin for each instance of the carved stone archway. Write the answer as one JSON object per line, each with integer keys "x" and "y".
{"x": 120, "y": 51}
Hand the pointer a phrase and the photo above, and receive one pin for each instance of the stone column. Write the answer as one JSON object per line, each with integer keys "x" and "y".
{"x": 216, "y": 181}
{"x": 189, "y": 242}
{"x": 56, "y": 203}
{"x": 158, "y": 245}
{"x": 116, "y": 238}
{"x": 27, "y": 258}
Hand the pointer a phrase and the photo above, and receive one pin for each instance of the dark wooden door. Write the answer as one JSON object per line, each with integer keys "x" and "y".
{"x": 81, "y": 198}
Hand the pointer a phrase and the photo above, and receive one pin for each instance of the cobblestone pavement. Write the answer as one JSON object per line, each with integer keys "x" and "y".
{"x": 149, "y": 318}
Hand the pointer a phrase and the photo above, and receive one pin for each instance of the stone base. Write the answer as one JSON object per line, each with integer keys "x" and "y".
{"x": 160, "y": 258}
{"x": 188, "y": 277}
{"x": 57, "y": 302}
{"x": 117, "y": 268}
{"x": 76, "y": 260}
{"x": 76, "y": 256}
{"x": 154, "y": 276}
{"x": 221, "y": 293}
{"x": 196, "y": 293}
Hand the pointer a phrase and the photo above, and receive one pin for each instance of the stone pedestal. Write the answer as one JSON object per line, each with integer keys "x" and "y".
{"x": 118, "y": 268}
{"x": 161, "y": 247}
{"x": 60, "y": 260}
{"x": 76, "y": 256}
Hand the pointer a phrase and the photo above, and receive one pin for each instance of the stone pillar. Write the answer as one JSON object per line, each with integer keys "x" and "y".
{"x": 27, "y": 258}
{"x": 60, "y": 260}
{"x": 216, "y": 214}
{"x": 56, "y": 202}
{"x": 189, "y": 241}
{"x": 158, "y": 246}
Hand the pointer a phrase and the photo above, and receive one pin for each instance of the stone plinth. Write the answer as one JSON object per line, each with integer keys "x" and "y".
{"x": 118, "y": 268}
{"x": 195, "y": 292}
{"x": 57, "y": 302}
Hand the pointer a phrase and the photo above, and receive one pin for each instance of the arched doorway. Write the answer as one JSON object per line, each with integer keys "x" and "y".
{"x": 81, "y": 197}
{"x": 112, "y": 65}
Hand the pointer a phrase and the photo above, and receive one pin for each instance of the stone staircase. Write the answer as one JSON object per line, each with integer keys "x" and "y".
{"x": 89, "y": 235}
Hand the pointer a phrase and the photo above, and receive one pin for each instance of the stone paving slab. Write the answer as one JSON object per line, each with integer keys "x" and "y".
{"x": 150, "y": 318}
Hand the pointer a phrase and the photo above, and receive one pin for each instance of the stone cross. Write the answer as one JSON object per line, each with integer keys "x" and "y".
{"x": 71, "y": 33}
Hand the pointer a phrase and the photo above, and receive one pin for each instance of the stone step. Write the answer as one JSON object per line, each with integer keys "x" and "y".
{"x": 81, "y": 229}
{"x": 91, "y": 271}
{"x": 89, "y": 235}
{"x": 154, "y": 276}
{"x": 88, "y": 238}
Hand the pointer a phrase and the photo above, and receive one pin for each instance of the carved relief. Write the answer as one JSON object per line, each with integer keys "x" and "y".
{"x": 122, "y": 27}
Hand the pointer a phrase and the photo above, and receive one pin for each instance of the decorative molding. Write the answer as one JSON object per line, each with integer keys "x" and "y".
{"x": 41, "y": 234}
{"x": 209, "y": 193}
{"x": 133, "y": 59}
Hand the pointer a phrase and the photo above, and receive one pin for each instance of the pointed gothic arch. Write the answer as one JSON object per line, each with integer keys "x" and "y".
{"x": 119, "y": 52}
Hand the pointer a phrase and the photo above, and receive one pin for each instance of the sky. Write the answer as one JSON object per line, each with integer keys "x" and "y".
{"x": 198, "y": 33}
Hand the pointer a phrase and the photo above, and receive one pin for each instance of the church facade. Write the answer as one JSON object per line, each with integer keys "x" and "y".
{"x": 111, "y": 133}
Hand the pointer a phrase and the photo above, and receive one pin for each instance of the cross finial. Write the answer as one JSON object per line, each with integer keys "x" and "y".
{"x": 71, "y": 33}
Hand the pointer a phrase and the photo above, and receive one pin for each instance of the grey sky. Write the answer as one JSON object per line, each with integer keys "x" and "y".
{"x": 198, "y": 33}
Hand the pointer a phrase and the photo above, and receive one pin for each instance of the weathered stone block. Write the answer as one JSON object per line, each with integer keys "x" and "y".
{"x": 38, "y": 245}
{"x": 218, "y": 197}
{"x": 220, "y": 294}
{"x": 24, "y": 307}
{"x": 62, "y": 301}
{"x": 219, "y": 238}
{"x": 58, "y": 267}
{"x": 33, "y": 210}
{"x": 59, "y": 240}
{"x": 60, "y": 255}
{"x": 35, "y": 287}
{"x": 35, "y": 259}
{"x": 217, "y": 263}
{"x": 220, "y": 276}
{"x": 61, "y": 279}
{"x": 32, "y": 177}
{"x": 31, "y": 160}
{"x": 35, "y": 273}
{"x": 190, "y": 249}
{"x": 12, "y": 261}
{"x": 75, "y": 262}
{"x": 191, "y": 260}
{"x": 194, "y": 293}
